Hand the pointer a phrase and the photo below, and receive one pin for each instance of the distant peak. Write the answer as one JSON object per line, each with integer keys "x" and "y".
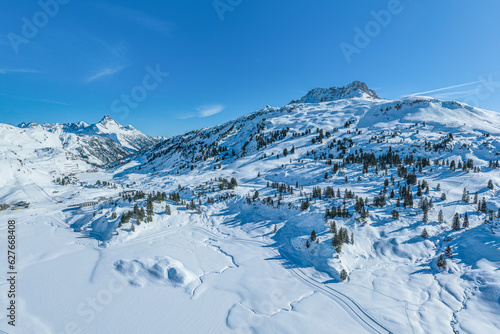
{"x": 107, "y": 119}
{"x": 354, "y": 89}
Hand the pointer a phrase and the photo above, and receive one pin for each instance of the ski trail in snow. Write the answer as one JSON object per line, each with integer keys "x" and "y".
{"x": 347, "y": 303}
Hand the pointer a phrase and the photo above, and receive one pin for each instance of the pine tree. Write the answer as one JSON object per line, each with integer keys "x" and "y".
{"x": 448, "y": 252}
{"x": 424, "y": 234}
{"x": 490, "y": 185}
{"x": 465, "y": 196}
{"x": 483, "y": 207}
{"x": 425, "y": 219}
{"x": 456, "y": 223}
{"x": 466, "y": 221}
{"x": 333, "y": 227}
{"x": 343, "y": 275}
{"x": 168, "y": 212}
{"x": 149, "y": 208}
{"x": 313, "y": 235}
{"x": 395, "y": 214}
{"x": 438, "y": 188}
{"x": 443, "y": 197}
{"x": 440, "y": 217}
{"x": 307, "y": 243}
{"x": 441, "y": 262}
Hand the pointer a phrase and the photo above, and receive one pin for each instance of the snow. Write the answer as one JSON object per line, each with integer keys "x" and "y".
{"x": 244, "y": 267}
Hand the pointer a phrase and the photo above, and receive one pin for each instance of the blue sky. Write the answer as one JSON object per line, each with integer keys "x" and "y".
{"x": 190, "y": 64}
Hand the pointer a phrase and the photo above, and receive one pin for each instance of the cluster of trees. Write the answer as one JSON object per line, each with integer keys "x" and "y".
{"x": 340, "y": 237}
{"x": 227, "y": 184}
{"x": 105, "y": 184}
{"x": 281, "y": 187}
{"x": 63, "y": 181}
{"x": 339, "y": 211}
{"x": 136, "y": 213}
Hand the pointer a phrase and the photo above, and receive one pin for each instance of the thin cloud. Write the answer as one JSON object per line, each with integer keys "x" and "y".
{"x": 186, "y": 116}
{"x": 203, "y": 111}
{"x": 445, "y": 88}
{"x": 206, "y": 111}
{"x": 149, "y": 22}
{"x": 35, "y": 100}
{"x": 105, "y": 72}
{"x": 7, "y": 70}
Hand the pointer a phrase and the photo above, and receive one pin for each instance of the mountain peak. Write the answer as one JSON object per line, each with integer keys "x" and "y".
{"x": 354, "y": 89}
{"x": 107, "y": 119}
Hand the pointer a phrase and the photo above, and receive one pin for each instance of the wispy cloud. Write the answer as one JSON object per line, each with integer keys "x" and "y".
{"x": 7, "y": 70}
{"x": 35, "y": 99}
{"x": 105, "y": 72}
{"x": 203, "y": 111}
{"x": 445, "y": 88}
{"x": 145, "y": 20}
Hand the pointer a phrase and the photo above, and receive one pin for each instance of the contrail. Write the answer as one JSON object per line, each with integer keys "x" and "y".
{"x": 445, "y": 88}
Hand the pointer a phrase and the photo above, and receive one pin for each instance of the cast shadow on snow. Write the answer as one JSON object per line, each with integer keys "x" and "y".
{"x": 289, "y": 257}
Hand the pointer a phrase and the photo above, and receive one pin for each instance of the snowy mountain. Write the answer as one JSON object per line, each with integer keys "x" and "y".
{"x": 127, "y": 137}
{"x": 354, "y": 89}
{"x": 339, "y": 212}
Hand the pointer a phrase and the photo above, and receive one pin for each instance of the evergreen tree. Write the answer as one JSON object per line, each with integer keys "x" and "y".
{"x": 440, "y": 217}
{"x": 466, "y": 221}
{"x": 424, "y": 234}
{"x": 443, "y": 197}
{"x": 307, "y": 243}
{"x": 465, "y": 196}
{"x": 425, "y": 219}
{"x": 490, "y": 185}
{"x": 149, "y": 206}
{"x": 343, "y": 275}
{"x": 482, "y": 206}
{"x": 456, "y": 223}
{"x": 448, "y": 252}
{"x": 168, "y": 212}
{"x": 305, "y": 205}
{"x": 313, "y": 235}
{"x": 441, "y": 262}
{"x": 333, "y": 227}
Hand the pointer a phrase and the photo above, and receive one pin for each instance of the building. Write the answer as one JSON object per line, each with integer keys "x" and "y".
{"x": 87, "y": 204}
